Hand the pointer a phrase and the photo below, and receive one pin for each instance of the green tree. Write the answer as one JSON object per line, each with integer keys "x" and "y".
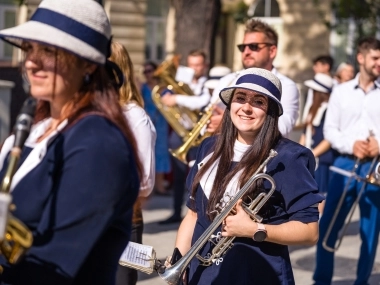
{"x": 364, "y": 13}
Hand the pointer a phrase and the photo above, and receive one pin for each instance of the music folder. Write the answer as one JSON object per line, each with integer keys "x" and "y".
{"x": 138, "y": 256}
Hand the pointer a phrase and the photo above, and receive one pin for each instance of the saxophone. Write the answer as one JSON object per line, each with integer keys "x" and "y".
{"x": 172, "y": 275}
{"x": 195, "y": 136}
{"x": 16, "y": 238}
{"x": 181, "y": 119}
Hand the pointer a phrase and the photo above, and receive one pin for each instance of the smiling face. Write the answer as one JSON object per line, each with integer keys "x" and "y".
{"x": 370, "y": 63}
{"x": 54, "y": 75}
{"x": 248, "y": 112}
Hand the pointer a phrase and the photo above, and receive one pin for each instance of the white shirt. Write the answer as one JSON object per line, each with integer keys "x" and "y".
{"x": 289, "y": 99}
{"x": 207, "y": 180}
{"x": 351, "y": 114}
{"x": 145, "y": 136}
{"x": 201, "y": 95}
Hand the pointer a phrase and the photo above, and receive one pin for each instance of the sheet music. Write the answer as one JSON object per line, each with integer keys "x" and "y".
{"x": 137, "y": 254}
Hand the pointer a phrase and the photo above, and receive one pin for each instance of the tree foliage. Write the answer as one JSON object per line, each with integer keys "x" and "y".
{"x": 365, "y": 14}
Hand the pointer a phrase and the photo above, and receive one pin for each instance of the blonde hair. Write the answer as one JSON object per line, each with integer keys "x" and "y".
{"x": 128, "y": 91}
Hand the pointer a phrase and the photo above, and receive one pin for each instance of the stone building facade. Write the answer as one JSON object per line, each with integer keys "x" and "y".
{"x": 140, "y": 27}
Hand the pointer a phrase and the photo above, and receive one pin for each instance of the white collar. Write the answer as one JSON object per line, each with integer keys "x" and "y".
{"x": 208, "y": 178}
{"x": 39, "y": 148}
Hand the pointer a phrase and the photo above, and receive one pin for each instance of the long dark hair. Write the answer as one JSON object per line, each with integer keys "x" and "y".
{"x": 266, "y": 139}
{"x": 318, "y": 99}
{"x": 98, "y": 96}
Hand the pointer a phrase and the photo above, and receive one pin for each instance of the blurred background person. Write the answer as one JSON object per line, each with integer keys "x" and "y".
{"x": 352, "y": 127}
{"x": 162, "y": 155}
{"x": 196, "y": 60}
{"x": 312, "y": 136}
{"x": 345, "y": 72}
{"x": 214, "y": 75}
{"x": 145, "y": 135}
{"x": 79, "y": 171}
{"x": 321, "y": 64}
{"x": 259, "y": 49}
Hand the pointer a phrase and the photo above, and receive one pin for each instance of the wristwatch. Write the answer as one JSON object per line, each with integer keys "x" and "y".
{"x": 261, "y": 233}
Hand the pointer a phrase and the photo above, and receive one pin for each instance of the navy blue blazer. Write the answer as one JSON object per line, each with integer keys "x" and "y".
{"x": 295, "y": 198}
{"x": 78, "y": 203}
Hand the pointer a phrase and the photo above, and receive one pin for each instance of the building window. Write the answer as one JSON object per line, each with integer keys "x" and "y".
{"x": 157, "y": 11}
{"x": 264, "y": 8}
{"x": 7, "y": 20}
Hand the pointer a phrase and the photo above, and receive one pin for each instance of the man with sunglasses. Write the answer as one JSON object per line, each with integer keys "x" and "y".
{"x": 259, "y": 49}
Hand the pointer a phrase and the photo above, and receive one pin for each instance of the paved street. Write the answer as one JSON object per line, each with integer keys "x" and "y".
{"x": 162, "y": 239}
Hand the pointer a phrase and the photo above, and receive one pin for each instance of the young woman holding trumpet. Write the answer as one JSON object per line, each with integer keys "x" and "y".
{"x": 223, "y": 165}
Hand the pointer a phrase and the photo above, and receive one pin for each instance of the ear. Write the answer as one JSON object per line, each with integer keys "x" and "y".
{"x": 273, "y": 52}
{"x": 360, "y": 58}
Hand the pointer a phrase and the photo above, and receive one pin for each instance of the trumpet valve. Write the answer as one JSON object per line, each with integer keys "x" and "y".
{"x": 204, "y": 261}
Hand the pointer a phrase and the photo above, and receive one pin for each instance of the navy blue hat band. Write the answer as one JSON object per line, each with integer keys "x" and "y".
{"x": 262, "y": 81}
{"x": 324, "y": 86}
{"x": 214, "y": 77}
{"x": 73, "y": 28}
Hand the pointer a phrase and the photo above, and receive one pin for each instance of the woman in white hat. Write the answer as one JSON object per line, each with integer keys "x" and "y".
{"x": 312, "y": 136}
{"x": 224, "y": 163}
{"x": 79, "y": 171}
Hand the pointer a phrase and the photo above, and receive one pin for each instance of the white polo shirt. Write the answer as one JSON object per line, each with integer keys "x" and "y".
{"x": 201, "y": 96}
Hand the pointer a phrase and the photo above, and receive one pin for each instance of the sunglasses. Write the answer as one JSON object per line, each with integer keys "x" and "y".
{"x": 253, "y": 46}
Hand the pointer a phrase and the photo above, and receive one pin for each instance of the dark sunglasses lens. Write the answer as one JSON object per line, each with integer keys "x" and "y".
{"x": 252, "y": 47}
{"x": 148, "y": 71}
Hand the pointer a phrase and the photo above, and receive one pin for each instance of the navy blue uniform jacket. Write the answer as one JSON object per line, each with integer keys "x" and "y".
{"x": 295, "y": 198}
{"x": 78, "y": 203}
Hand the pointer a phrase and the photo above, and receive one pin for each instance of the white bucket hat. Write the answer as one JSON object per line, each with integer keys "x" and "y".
{"x": 256, "y": 79}
{"x": 321, "y": 82}
{"x": 77, "y": 26}
{"x": 215, "y": 74}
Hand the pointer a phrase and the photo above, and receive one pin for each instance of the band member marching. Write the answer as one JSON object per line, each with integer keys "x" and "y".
{"x": 79, "y": 171}
{"x": 224, "y": 162}
{"x": 352, "y": 127}
{"x": 145, "y": 136}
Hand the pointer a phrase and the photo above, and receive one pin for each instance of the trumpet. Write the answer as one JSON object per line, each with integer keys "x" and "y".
{"x": 16, "y": 237}
{"x": 172, "y": 275}
{"x": 372, "y": 177}
{"x": 194, "y": 137}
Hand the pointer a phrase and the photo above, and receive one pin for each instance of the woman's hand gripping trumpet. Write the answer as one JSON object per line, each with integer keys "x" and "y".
{"x": 240, "y": 224}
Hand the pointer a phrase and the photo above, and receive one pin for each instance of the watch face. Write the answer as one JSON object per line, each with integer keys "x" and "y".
{"x": 260, "y": 236}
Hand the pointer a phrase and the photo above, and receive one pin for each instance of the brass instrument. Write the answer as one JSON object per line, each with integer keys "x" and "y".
{"x": 172, "y": 275}
{"x": 181, "y": 119}
{"x": 194, "y": 137}
{"x": 17, "y": 237}
{"x": 372, "y": 177}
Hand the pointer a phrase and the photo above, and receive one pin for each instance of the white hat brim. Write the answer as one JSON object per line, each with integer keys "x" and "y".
{"x": 227, "y": 93}
{"x": 212, "y": 83}
{"x": 315, "y": 86}
{"x": 39, "y": 32}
